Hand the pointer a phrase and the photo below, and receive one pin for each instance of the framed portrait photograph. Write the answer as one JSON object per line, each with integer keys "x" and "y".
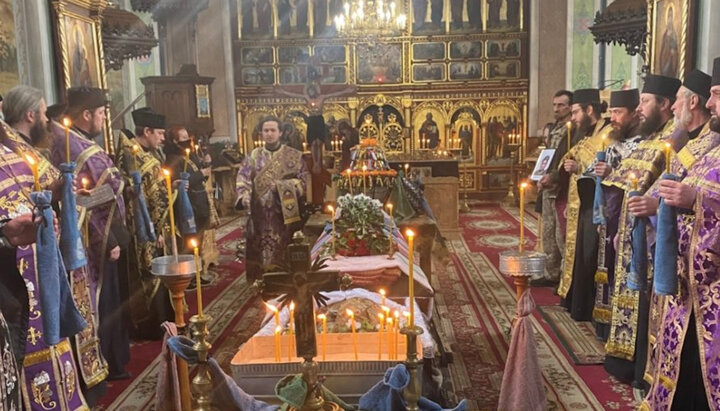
{"x": 465, "y": 49}
{"x": 202, "y": 99}
{"x": 543, "y": 164}
{"x": 330, "y": 54}
{"x": 672, "y": 32}
{"x": 258, "y": 76}
{"x": 429, "y": 72}
{"x": 470, "y": 70}
{"x": 257, "y": 55}
{"x": 503, "y": 69}
{"x": 428, "y": 51}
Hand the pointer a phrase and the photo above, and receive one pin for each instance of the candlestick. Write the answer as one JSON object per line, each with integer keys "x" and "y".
{"x": 331, "y": 209}
{"x": 351, "y": 314}
{"x": 278, "y": 352}
{"x": 364, "y": 170}
{"x": 381, "y": 324}
{"x": 67, "y": 123}
{"x": 135, "y": 150}
{"x": 388, "y": 328}
{"x": 382, "y": 296}
{"x": 668, "y": 150}
{"x": 569, "y": 134}
{"x": 166, "y": 172}
{"x": 34, "y": 168}
{"x": 198, "y": 271}
{"x": 291, "y": 329}
{"x": 396, "y": 330}
{"x": 411, "y": 286}
{"x": 523, "y": 185}
{"x": 323, "y": 317}
{"x": 634, "y": 181}
{"x": 187, "y": 159}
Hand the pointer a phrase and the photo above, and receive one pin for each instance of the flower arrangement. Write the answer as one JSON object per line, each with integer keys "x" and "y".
{"x": 359, "y": 226}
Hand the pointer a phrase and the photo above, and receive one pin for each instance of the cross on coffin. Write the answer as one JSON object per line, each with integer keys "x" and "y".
{"x": 301, "y": 284}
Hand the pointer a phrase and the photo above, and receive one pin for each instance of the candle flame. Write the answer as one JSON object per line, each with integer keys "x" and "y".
{"x": 187, "y": 152}
{"x": 381, "y": 317}
{"x": 85, "y": 182}
{"x": 410, "y": 233}
{"x": 382, "y": 292}
{"x": 331, "y": 209}
{"x": 569, "y": 124}
{"x": 396, "y": 314}
{"x": 523, "y": 185}
{"x": 135, "y": 149}
{"x": 348, "y": 171}
{"x": 406, "y": 314}
{"x": 271, "y": 307}
{"x": 349, "y": 312}
{"x": 407, "y": 166}
{"x": 193, "y": 243}
{"x": 278, "y": 329}
{"x": 389, "y": 206}
{"x": 385, "y": 309}
{"x": 389, "y": 320}
{"x": 322, "y": 317}
{"x": 364, "y": 168}
{"x": 633, "y": 176}
{"x": 292, "y": 305}
{"x": 67, "y": 122}
{"x": 166, "y": 172}
{"x": 30, "y": 159}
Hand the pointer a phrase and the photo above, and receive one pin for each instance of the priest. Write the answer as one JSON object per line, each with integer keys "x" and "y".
{"x": 577, "y": 285}
{"x": 626, "y": 345}
{"x": 149, "y": 299}
{"x": 271, "y": 188}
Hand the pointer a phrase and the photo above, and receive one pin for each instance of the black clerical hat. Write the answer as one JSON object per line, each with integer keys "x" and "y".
{"x": 586, "y": 96}
{"x": 86, "y": 98}
{"x": 698, "y": 82}
{"x": 716, "y": 72}
{"x": 56, "y": 110}
{"x": 625, "y": 98}
{"x": 146, "y": 117}
{"x": 661, "y": 85}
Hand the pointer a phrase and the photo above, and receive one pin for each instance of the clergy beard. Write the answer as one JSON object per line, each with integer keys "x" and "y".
{"x": 651, "y": 123}
{"x": 684, "y": 116}
{"x": 625, "y": 131}
{"x": 584, "y": 126}
{"x": 39, "y": 135}
{"x": 715, "y": 124}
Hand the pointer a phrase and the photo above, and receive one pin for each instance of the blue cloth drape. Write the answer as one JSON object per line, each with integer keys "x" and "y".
{"x": 60, "y": 316}
{"x": 637, "y": 279}
{"x": 387, "y": 395}
{"x": 185, "y": 211}
{"x": 71, "y": 245}
{"x": 666, "y": 247}
{"x": 599, "y": 200}
{"x": 143, "y": 227}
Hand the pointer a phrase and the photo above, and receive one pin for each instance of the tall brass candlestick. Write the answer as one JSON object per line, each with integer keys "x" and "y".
{"x": 198, "y": 271}
{"x": 523, "y": 186}
{"x": 331, "y": 209}
{"x": 569, "y": 134}
{"x": 411, "y": 285}
{"x": 67, "y": 123}
{"x": 166, "y": 172}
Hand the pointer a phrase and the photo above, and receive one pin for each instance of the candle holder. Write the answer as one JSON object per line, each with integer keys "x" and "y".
{"x": 202, "y": 383}
{"x": 511, "y": 198}
{"x": 413, "y": 391}
{"x": 521, "y": 266}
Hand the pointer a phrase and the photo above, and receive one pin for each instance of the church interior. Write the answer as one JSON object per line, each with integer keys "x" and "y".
{"x": 359, "y": 205}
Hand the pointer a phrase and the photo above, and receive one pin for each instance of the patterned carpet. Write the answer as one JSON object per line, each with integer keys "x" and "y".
{"x": 476, "y": 303}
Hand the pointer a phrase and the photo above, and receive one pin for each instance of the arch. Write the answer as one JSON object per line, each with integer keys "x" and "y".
{"x": 439, "y": 116}
{"x": 502, "y": 118}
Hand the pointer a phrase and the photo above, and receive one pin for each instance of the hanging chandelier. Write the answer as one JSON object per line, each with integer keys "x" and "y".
{"x": 369, "y": 17}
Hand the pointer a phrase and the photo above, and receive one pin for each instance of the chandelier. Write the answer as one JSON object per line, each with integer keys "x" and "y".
{"x": 369, "y": 17}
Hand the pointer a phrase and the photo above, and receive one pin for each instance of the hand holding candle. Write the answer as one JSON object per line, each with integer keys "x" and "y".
{"x": 569, "y": 134}
{"x": 67, "y": 123}
{"x": 411, "y": 281}
{"x": 198, "y": 272}
{"x": 634, "y": 181}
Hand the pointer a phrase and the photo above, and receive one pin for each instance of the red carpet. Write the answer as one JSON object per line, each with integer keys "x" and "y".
{"x": 478, "y": 303}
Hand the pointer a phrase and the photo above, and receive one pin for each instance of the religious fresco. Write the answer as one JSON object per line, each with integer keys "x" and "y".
{"x": 503, "y": 48}
{"x": 503, "y": 69}
{"x": 9, "y": 73}
{"x": 257, "y": 18}
{"x": 428, "y": 51}
{"x": 470, "y": 70}
{"x": 429, "y": 72}
{"x": 465, "y": 49}
{"x": 673, "y": 22}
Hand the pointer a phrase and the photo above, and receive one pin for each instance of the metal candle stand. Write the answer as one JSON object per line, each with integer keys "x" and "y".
{"x": 522, "y": 266}
{"x": 413, "y": 391}
{"x": 202, "y": 383}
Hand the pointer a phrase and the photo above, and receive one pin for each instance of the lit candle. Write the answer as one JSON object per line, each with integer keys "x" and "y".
{"x": 85, "y": 182}
{"x": 187, "y": 159}
{"x": 135, "y": 151}
{"x": 523, "y": 186}
{"x": 34, "y": 168}
{"x": 411, "y": 286}
{"x": 348, "y": 171}
{"x": 382, "y": 296}
{"x": 604, "y": 136}
{"x": 331, "y": 209}
{"x": 86, "y": 226}
{"x": 364, "y": 169}
{"x": 407, "y": 169}
{"x": 351, "y": 314}
{"x": 291, "y": 327}
{"x": 569, "y": 134}
{"x": 381, "y": 324}
{"x": 198, "y": 271}
{"x": 275, "y": 311}
{"x": 396, "y": 330}
{"x": 166, "y": 172}
{"x": 634, "y": 181}
{"x": 67, "y": 123}
{"x": 389, "y": 329}
{"x": 304, "y": 146}
{"x": 278, "y": 353}
{"x": 668, "y": 150}
{"x": 323, "y": 318}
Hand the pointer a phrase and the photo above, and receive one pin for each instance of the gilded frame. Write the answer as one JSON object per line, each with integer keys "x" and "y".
{"x": 671, "y": 51}
{"x": 202, "y": 101}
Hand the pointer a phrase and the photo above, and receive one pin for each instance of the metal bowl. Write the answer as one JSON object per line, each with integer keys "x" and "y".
{"x": 528, "y": 263}
{"x": 168, "y": 265}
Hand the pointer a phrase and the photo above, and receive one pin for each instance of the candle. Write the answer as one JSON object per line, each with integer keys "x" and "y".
{"x": 86, "y": 226}
{"x": 634, "y": 181}
{"x": 323, "y": 318}
{"x": 351, "y": 314}
{"x": 34, "y": 168}
{"x": 275, "y": 311}
{"x": 523, "y": 186}
{"x": 304, "y": 146}
{"x": 381, "y": 323}
{"x": 291, "y": 328}
{"x": 407, "y": 169}
{"x": 389, "y": 336}
{"x": 569, "y": 134}
{"x": 166, "y": 172}
{"x": 67, "y": 123}
{"x": 382, "y": 296}
{"x": 396, "y": 330}
{"x": 411, "y": 286}
{"x": 348, "y": 171}
{"x": 331, "y": 209}
{"x": 278, "y": 353}
{"x": 187, "y": 159}
{"x": 198, "y": 271}
{"x": 604, "y": 136}
{"x": 668, "y": 150}
{"x": 135, "y": 150}
{"x": 364, "y": 169}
